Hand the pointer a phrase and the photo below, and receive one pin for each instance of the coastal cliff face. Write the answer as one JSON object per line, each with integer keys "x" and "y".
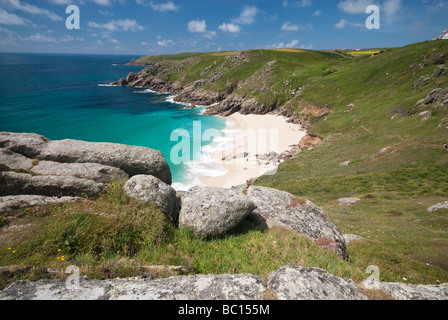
{"x": 249, "y": 82}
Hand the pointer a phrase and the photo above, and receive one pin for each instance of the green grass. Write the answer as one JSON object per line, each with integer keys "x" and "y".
{"x": 115, "y": 236}
{"x": 410, "y": 176}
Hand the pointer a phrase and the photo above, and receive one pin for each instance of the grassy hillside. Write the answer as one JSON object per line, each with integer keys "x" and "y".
{"x": 271, "y": 76}
{"x": 396, "y": 154}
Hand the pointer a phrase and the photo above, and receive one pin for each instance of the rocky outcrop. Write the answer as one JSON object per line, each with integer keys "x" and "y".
{"x": 345, "y": 202}
{"x": 309, "y": 142}
{"x": 297, "y": 283}
{"x": 439, "y": 206}
{"x": 213, "y": 212}
{"x": 349, "y": 238}
{"x": 28, "y": 144}
{"x": 91, "y": 171}
{"x": 235, "y": 103}
{"x": 220, "y": 287}
{"x": 132, "y": 160}
{"x": 10, "y": 204}
{"x": 403, "y": 291}
{"x": 268, "y": 201}
{"x": 287, "y": 283}
{"x": 437, "y": 98}
{"x": 152, "y": 190}
{"x": 439, "y": 70}
{"x": 282, "y": 210}
{"x": 222, "y": 102}
{"x": 13, "y": 183}
{"x": 14, "y": 161}
{"x": 312, "y": 223}
{"x": 38, "y": 171}
{"x": 420, "y": 82}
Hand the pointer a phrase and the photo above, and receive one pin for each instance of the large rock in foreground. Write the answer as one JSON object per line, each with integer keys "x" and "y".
{"x": 297, "y": 283}
{"x": 403, "y": 291}
{"x": 220, "y": 287}
{"x": 91, "y": 171}
{"x": 313, "y": 224}
{"x": 12, "y": 183}
{"x": 12, "y": 203}
{"x": 132, "y": 160}
{"x": 213, "y": 211}
{"x": 28, "y": 144}
{"x": 281, "y": 209}
{"x": 269, "y": 201}
{"x": 152, "y": 190}
{"x": 14, "y": 161}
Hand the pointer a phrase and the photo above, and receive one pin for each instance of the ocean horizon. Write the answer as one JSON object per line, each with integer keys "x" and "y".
{"x": 67, "y": 96}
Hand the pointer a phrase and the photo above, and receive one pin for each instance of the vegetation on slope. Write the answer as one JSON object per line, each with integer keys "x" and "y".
{"x": 395, "y": 151}
{"x": 271, "y": 76}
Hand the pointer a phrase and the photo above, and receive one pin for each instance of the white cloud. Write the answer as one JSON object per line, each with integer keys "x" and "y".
{"x": 230, "y": 27}
{"x": 164, "y": 7}
{"x": 62, "y": 2}
{"x": 279, "y": 45}
{"x": 354, "y": 6}
{"x": 165, "y": 43}
{"x": 117, "y": 25}
{"x": 12, "y": 19}
{"x": 391, "y": 7}
{"x": 25, "y": 7}
{"x": 38, "y": 37}
{"x": 247, "y": 16}
{"x": 282, "y": 45}
{"x": 388, "y": 7}
{"x": 292, "y": 44}
{"x": 341, "y": 24}
{"x": 317, "y": 13}
{"x": 103, "y": 2}
{"x": 106, "y": 13}
{"x": 68, "y": 38}
{"x": 199, "y": 26}
{"x": 288, "y": 26}
{"x": 298, "y": 4}
{"x": 210, "y": 34}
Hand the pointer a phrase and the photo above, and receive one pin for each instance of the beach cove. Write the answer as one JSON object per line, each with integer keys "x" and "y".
{"x": 257, "y": 142}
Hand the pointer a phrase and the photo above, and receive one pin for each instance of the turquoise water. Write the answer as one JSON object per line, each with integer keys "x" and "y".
{"x": 64, "y": 97}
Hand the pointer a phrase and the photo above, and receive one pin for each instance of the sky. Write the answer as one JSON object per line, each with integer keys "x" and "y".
{"x": 150, "y": 27}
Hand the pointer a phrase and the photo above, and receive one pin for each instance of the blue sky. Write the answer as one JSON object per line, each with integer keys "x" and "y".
{"x": 147, "y": 27}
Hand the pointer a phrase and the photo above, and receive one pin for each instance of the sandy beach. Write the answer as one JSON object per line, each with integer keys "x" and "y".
{"x": 258, "y": 139}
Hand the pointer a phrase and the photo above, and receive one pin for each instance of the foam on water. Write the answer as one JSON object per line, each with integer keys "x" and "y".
{"x": 171, "y": 99}
{"x": 209, "y": 162}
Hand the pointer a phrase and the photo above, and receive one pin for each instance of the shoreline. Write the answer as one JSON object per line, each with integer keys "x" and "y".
{"x": 249, "y": 148}
{"x": 255, "y": 151}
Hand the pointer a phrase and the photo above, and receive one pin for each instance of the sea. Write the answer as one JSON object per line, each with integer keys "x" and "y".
{"x": 64, "y": 96}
